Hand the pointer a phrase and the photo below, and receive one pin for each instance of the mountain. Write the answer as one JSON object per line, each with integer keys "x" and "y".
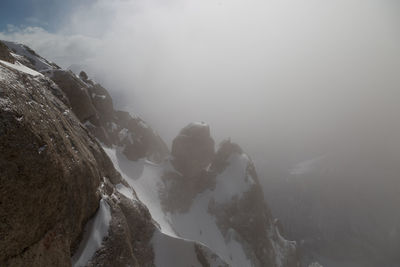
{"x": 343, "y": 206}
{"x": 83, "y": 184}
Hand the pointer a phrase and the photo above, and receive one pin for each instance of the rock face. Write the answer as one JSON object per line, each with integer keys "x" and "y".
{"x": 193, "y": 149}
{"x": 224, "y": 187}
{"x": 93, "y": 106}
{"x": 63, "y": 202}
{"x": 50, "y": 171}
{"x": 60, "y": 195}
{"x": 5, "y": 53}
{"x": 26, "y": 56}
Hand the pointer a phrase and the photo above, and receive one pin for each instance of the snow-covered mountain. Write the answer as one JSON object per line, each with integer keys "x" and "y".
{"x": 83, "y": 184}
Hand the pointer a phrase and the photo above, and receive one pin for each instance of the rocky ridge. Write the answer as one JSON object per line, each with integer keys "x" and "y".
{"x": 50, "y": 115}
{"x": 57, "y": 181}
{"x": 227, "y": 182}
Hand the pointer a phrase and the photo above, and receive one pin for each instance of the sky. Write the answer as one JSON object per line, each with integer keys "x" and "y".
{"x": 48, "y": 14}
{"x": 288, "y": 80}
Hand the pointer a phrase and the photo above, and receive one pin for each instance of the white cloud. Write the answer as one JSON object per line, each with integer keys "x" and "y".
{"x": 267, "y": 73}
{"x": 64, "y": 50}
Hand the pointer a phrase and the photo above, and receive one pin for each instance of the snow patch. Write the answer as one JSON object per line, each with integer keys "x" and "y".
{"x": 39, "y": 62}
{"x": 99, "y": 96}
{"x": 125, "y": 134}
{"x": 143, "y": 125}
{"x": 232, "y": 182}
{"x": 196, "y": 224}
{"x": 41, "y": 149}
{"x": 126, "y": 191}
{"x": 145, "y": 178}
{"x": 95, "y": 231}
{"x": 22, "y": 68}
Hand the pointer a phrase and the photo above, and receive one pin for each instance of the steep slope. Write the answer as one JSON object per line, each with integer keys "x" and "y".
{"x": 206, "y": 204}
{"x": 220, "y": 204}
{"x": 44, "y": 153}
{"x": 28, "y": 57}
{"x": 62, "y": 203}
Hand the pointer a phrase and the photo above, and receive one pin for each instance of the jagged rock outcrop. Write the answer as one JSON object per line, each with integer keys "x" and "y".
{"x": 50, "y": 171}
{"x": 224, "y": 187}
{"x": 27, "y": 57}
{"x": 60, "y": 195}
{"x": 193, "y": 149}
{"x": 93, "y": 106}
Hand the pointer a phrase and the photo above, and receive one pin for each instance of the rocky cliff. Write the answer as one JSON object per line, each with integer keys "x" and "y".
{"x": 63, "y": 201}
{"x": 222, "y": 188}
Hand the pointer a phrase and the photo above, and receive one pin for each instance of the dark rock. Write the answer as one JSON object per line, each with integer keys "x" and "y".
{"x": 83, "y": 76}
{"x": 245, "y": 217}
{"x": 5, "y": 53}
{"x": 129, "y": 237}
{"x": 102, "y": 102}
{"x": 226, "y": 149}
{"x": 193, "y": 149}
{"x": 93, "y": 106}
{"x": 50, "y": 171}
{"x": 142, "y": 141}
{"x": 77, "y": 93}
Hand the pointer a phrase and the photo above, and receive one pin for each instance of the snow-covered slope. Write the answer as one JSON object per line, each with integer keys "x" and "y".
{"x": 55, "y": 175}
{"x": 22, "y": 68}
{"x": 215, "y": 215}
{"x": 197, "y": 224}
{"x": 190, "y": 207}
{"x": 28, "y": 57}
{"x": 96, "y": 230}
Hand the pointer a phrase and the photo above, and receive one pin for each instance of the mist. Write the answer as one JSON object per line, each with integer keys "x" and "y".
{"x": 294, "y": 83}
{"x": 292, "y": 76}
{"x": 287, "y": 80}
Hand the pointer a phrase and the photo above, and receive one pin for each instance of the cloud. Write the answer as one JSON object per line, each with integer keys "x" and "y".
{"x": 273, "y": 75}
{"x": 64, "y": 50}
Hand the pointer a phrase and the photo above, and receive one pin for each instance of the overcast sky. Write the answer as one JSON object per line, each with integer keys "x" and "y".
{"x": 285, "y": 79}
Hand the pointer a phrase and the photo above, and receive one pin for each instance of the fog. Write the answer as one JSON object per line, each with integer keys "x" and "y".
{"x": 286, "y": 79}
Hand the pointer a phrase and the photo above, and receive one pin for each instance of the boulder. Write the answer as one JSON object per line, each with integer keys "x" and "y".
{"x": 77, "y": 93}
{"x": 50, "y": 172}
{"x": 193, "y": 149}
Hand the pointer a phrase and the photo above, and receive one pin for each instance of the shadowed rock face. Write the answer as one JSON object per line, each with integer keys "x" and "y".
{"x": 93, "y": 106}
{"x": 192, "y": 149}
{"x": 76, "y": 91}
{"x": 5, "y": 53}
{"x": 54, "y": 174}
{"x": 244, "y": 216}
{"x": 193, "y": 152}
{"x": 50, "y": 170}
